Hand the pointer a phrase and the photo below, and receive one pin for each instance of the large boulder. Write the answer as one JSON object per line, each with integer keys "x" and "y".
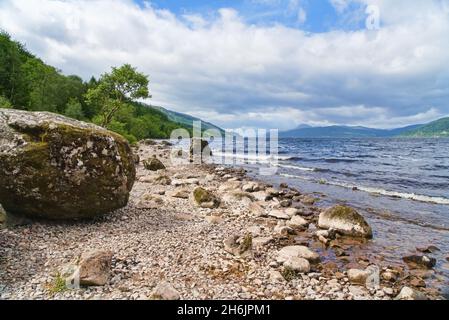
{"x": 58, "y": 168}
{"x": 345, "y": 220}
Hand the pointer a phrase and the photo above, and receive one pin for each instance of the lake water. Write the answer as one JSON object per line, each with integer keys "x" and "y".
{"x": 400, "y": 185}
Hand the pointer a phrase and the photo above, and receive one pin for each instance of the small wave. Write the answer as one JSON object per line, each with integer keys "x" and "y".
{"x": 286, "y": 175}
{"x": 337, "y": 160}
{"x": 296, "y": 167}
{"x": 294, "y": 159}
{"x": 402, "y": 195}
{"x": 250, "y": 156}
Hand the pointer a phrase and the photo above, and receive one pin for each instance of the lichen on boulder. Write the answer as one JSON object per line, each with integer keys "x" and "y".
{"x": 346, "y": 221}
{"x": 205, "y": 198}
{"x": 153, "y": 164}
{"x": 57, "y": 168}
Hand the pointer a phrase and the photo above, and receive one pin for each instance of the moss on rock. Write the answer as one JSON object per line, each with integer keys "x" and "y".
{"x": 57, "y": 168}
{"x": 205, "y": 198}
{"x": 153, "y": 164}
{"x": 346, "y": 221}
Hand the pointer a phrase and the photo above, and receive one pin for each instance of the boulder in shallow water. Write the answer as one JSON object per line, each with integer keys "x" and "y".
{"x": 408, "y": 293}
{"x": 345, "y": 220}
{"x": 58, "y": 168}
{"x": 419, "y": 262}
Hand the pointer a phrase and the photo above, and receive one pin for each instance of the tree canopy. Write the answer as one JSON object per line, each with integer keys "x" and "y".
{"x": 27, "y": 83}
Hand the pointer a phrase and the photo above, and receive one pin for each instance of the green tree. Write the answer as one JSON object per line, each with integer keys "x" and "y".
{"x": 117, "y": 89}
{"x": 74, "y": 109}
{"x": 4, "y": 103}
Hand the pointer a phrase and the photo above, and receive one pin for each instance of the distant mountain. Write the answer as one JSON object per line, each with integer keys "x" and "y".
{"x": 185, "y": 119}
{"x": 435, "y": 129}
{"x": 345, "y": 132}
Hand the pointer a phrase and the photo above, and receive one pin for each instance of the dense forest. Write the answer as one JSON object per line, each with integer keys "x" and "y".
{"x": 27, "y": 83}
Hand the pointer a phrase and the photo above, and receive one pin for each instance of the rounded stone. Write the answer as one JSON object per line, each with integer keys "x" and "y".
{"x": 57, "y": 168}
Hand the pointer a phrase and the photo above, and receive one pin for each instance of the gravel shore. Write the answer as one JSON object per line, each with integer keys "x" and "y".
{"x": 163, "y": 241}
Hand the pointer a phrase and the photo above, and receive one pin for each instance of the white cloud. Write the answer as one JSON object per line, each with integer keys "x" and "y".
{"x": 238, "y": 74}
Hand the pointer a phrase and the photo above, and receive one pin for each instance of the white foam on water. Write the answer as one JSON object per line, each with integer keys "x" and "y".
{"x": 296, "y": 167}
{"x": 379, "y": 191}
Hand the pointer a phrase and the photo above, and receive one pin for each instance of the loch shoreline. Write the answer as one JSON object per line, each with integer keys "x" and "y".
{"x": 163, "y": 242}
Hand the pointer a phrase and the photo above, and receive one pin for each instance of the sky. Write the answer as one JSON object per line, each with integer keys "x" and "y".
{"x": 272, "y": 64}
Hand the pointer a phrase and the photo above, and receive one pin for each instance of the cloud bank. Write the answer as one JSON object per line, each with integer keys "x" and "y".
{"x": 238, "y": 74}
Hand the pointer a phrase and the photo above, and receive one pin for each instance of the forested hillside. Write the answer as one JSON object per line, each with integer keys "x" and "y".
{"x": 27, "y": 83}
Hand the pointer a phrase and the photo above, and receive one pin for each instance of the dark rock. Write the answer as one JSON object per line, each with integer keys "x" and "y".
{"x": 205, "y": 198}
{"x": 428, "y": 249}
{"x": 419, "y": 262}
{"x": 153, "y": 164}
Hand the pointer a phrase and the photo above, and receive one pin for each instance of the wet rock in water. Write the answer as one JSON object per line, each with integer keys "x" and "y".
{"x": 94, "y": 268}
{"x": 165, "y": 291}
{"x": 297, "y": 264}
{"x": 389, "y": 276}
{"x": 239, "y": 246}
{"x": 283, "y": 185}
{"x": 199, "y": 150}
{"x": 297, "y": 251}
{"x": 205, "y": 198}
{"x": 153, "y": 164}
{"x": 428, "y": 249}
{"x": 308, "y": 200}
{"x": 408, "y": 293}
{"x": 417, "y": 282}
{"x": 368, "y": 277}
{"x": 345, "y": 220}
{"x": 419, "y": 262}
{"x": 57, "y": 168}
